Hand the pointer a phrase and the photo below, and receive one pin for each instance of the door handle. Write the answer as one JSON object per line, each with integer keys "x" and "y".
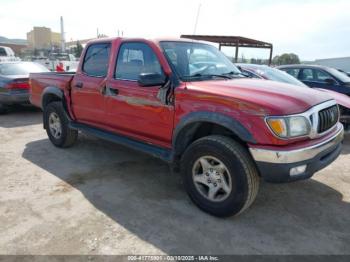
{"x": 79, "y": 85}
{"x": 113, "y": 91}
{"x": 105, "y": 90}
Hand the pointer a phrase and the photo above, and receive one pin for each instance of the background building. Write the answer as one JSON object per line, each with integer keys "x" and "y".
{"x": 43, "y": 38}
{"x": 55, "y": 39}
{"x": 342, "y": 63}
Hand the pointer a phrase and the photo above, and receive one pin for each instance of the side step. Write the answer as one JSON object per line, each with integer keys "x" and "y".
{"x": 156, "y": 151}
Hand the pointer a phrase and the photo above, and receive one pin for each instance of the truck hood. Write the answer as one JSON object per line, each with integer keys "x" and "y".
{"x": 268, "y": 97}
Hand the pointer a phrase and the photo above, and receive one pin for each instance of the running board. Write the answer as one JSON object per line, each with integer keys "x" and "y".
{"x": 156, "y": 151}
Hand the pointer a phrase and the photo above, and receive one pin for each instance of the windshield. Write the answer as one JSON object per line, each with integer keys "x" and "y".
{"x": 278, "y": 75}
{"x": 24, "y": 68}
{"x": 194, "y": 61}
{"x": 341, "y": 76}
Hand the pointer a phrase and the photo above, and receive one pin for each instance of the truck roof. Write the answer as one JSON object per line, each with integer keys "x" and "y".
{"x": 155, "y": 40}
{"x": 303, "y": 66}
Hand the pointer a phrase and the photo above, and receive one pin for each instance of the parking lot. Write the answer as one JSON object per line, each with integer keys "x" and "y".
{"x": 100, "y": 198}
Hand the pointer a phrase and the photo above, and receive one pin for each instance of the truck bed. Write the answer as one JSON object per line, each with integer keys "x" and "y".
{"x": 39, "y": 81}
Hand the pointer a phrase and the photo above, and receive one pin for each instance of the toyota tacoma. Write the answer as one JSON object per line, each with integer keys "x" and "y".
{"x": 184, "y": 102}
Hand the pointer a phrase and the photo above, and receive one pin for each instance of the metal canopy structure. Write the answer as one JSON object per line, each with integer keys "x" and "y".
{"x": 234, "y": 41}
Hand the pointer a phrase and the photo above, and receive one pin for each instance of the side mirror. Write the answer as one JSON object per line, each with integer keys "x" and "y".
{"x": 329, "y": 81}
{"x": 151, "y": 79}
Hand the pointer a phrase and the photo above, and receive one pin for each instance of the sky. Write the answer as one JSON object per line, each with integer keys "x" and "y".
{"x": 312, "y": 29}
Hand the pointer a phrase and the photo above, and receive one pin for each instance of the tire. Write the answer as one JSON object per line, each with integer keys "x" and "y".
{"x": 347, "y": 127}
{"x": 59, "y": 134}
{"x": 238, "y": 173}
{"x": 3, "y": 109}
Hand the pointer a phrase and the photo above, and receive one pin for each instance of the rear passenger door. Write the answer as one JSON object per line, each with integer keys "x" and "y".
{"x": 135, "y": 110}
{"x": 88, "y": 84}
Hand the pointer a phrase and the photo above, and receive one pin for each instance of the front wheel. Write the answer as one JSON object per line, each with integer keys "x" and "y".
{"x": 3, "y": 109}
{"x": 219, "y": 175}
{"x": 57, "y": 125}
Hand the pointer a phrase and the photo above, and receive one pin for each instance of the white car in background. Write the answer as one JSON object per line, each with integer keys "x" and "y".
{"x": 70, "y": 63}
{"x": 7, "y": 55}
{"x": 68, "y": 60}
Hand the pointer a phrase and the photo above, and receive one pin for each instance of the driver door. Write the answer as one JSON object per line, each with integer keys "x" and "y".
{"x": 134, "y": 110}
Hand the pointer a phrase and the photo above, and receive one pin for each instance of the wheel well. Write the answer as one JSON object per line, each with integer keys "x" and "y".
{"x": 195, "y": 131}
{"x": 48, "y": 98}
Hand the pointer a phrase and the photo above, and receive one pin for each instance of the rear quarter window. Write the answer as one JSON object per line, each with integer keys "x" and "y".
{"x": 96, "y": 60}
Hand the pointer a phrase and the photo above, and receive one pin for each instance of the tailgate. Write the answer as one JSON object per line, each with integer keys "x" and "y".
{"x": 39, "y": 81}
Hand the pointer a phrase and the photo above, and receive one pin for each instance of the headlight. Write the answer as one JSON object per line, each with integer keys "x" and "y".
{"x": 289, "y": 127}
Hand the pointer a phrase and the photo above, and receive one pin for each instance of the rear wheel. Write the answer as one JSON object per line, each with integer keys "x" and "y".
{"x": 219, "y": 175}
{"x": 57, "y": 125}
{"x": 3, "y": 109}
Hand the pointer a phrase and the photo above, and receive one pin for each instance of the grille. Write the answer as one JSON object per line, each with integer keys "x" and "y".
{"x": 327, "y": 118}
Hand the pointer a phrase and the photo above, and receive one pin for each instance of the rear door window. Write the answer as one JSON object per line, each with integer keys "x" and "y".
{"x": 96, "y": 60}
{"x": 307, "y": 75}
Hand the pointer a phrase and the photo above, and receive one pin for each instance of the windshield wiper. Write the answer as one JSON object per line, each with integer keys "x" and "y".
{"x": 209, "y": 76}
{"x": 235, "y": 74}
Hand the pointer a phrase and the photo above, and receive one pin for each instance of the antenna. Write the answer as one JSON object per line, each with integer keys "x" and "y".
{"x": 198, "y": 11}
{"x": 120, "y": 33}
{"x": 63, "y": 40}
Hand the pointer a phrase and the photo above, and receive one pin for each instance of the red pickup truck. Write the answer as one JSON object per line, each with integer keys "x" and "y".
{"x": 183, "y": 101}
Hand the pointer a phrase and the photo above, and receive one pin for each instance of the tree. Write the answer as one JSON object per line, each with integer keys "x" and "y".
{"x": 78, "y": 49}
{"x": 275, "y": 60}
{"x": 257, "y": 61}
{"x": 286, "y": 59}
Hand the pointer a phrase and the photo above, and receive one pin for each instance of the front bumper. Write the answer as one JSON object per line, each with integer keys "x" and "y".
{"x": 276, "y": 166}
{"x": 14, "y": 97}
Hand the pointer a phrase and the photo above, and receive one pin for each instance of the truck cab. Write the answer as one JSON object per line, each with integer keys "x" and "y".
{"x": 184, "y": 102}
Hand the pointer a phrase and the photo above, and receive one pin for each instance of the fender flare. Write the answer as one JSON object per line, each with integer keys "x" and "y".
{"x": 180, "y": 136}
{"x": 48, "y": 91}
